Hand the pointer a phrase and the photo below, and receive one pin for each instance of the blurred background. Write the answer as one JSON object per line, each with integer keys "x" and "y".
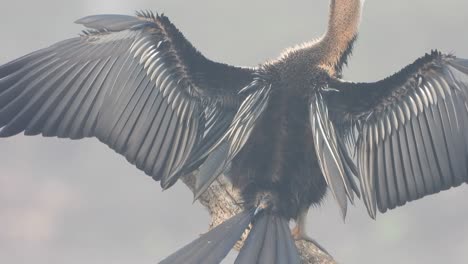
{"x": 78, "y": 202}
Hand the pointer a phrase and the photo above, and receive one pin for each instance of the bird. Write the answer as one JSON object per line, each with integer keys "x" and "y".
{"x": 283, "y": 132}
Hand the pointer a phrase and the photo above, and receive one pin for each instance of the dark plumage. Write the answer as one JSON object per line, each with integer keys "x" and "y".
{"x": 283, "y": 132}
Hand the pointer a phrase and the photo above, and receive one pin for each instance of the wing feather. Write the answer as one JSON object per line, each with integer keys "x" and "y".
{"x": 137, "y": 85}
{"x": 334, "y": 162}
{"x": 412, "y": 140}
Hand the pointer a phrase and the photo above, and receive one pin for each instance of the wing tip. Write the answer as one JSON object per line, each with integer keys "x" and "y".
{"x": 111, "y": 22}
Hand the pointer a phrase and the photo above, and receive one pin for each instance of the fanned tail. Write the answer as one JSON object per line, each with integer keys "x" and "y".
{"x": 269, "y": 241}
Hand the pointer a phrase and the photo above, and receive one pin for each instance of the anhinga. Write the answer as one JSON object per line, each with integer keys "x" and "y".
{"x": 282, "y": 132}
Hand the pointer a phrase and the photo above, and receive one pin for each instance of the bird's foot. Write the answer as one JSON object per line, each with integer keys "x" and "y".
{"x": 298, "y": 234}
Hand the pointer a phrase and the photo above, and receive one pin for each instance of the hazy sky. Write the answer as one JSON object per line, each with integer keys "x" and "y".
{"x": 79, "y": 202}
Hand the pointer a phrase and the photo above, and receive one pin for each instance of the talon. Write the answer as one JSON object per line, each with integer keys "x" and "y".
{"x": 298, "y": 234}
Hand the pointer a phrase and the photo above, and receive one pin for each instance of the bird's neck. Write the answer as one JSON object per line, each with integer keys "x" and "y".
{"x": 336, "y": 44}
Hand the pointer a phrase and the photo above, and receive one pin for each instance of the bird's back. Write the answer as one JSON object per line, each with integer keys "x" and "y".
{"x": 279, "y": 155}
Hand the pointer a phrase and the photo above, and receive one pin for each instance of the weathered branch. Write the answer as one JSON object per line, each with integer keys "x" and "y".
{"x": 222, "y": 202}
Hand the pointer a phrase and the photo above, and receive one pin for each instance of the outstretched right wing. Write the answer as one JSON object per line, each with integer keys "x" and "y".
{"x": 136, "y": 84}
{"x": 409, "y": 130}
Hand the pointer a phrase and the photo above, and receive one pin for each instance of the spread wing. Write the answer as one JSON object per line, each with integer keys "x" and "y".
{"x": 409, "y": 131}
{"x": 135, "y": 83}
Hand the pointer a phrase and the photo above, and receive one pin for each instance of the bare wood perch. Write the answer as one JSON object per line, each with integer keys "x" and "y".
{"x": 222, "y": 202}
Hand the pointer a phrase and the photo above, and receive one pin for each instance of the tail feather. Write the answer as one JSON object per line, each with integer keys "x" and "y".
{"x": 254, "y": 243}
{"x": 213, "y": 246}
{"x": 268, "y": 253}
{"x": 270, "y": 241}
{"x": 287, "y": 242}
{"x": 282, "y": 247}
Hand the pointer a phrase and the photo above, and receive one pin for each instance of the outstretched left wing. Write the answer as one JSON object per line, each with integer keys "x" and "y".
{"x": 136, "y": 84}
{"x": 409, "y": 131}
